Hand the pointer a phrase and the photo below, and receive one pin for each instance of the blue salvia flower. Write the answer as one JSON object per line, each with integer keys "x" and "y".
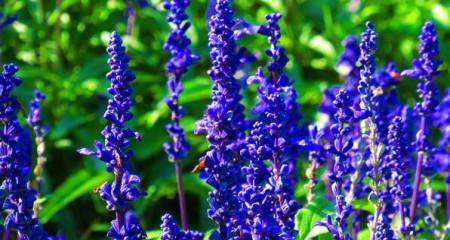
{"x": 34, "y": 120}
{"x": 442, "y": 156}
{"x": 268, "y": 192}
{"x": 442, "y": 121}
{"x": 15, "y": 163}
{"x": 366, "y": 84}
{"x": 224, "y": 124}
{"x": 279, "y": 116}
{"x": 342, "y": 168}
{"x": 182, "y": 58}
{"x": 383, "y": 229}
{"x": 171, "y": 231}
{"x": 347, "y": 65}
{"x": 317, "y": 157}
{"x": 35, "y": 117}
{"x": 371, "y": 106}
{"x": 348, "y": 69}
{"x": 425, "y": 69}
{"x": 397, "y": 167}
{"x": 114, "y": 151}
{"x": 386, "y": 103}
{"x": 258, "y": 199}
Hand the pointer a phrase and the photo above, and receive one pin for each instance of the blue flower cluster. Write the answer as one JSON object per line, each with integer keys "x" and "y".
{"x": 398, "y": 168}
{"x": 182, "y": 58}
{"x": 34, "y": 120}
{"x": 251, "y": 164}
{"x": 268, "y": 194}
{"x": 224, "y": 124}
{"x": 114, "y": 151}
{"x": 425, "y": 69}
{"x": 171, "y": 231}
{"x": 347, "y": 64}
{"x": 380, "y": 149}
{"x": 442, "y": 121}
{"x": 15, "y": 164}
{"x": 367, "y": 59}
{"x": 342, "y": 167}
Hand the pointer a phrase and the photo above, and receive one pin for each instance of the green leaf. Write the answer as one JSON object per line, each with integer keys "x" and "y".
{"x": 153, "y": 234}
{"x": 319, "y": 232}
{"x": 313, "y": 212}
{"x": 364, "y": 205}
{"x": 364, "y": 234}
{"x": 74, "y": 187}
{"x": 208, "y": 234}
{"x": 323, "y": 46}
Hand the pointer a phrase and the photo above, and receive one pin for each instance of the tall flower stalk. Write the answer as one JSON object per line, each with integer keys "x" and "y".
{"x": 342, "y": 167}
{"x": 370, "y": 106}
{"x": 114, "y": 150}
{"x": 425, "y": 69}
{"x": 224, "y": 124}
{"x": 34, "y": 120}
{"x": 182, "y": 58}
{"x": 398, "y": 165}
{"x": 268, "y": 193}
{"x": 442, "y": 121}
{"x": 15, "y": 164}
{"x": 278, "y": 110}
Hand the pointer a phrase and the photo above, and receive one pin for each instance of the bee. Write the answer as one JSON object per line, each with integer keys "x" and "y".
{"x": 96, "y": 190}
{"x": 395, "y": 75}
{"x": 200, "y": 166}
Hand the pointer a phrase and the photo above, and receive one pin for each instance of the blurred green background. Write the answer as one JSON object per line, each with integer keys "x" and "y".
{"x": 60, "y": 48}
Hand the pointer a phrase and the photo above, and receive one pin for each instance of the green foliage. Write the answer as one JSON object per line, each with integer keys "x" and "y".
{"x": 307, "y": 217}
{"x": 60, "y": 48}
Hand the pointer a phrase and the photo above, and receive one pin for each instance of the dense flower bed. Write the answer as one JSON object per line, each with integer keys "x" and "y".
{"x": 378, "y": 152}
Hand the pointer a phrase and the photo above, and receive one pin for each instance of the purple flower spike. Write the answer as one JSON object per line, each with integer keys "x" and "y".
{"x": 442, "y": 120}
{"x": 114, "y": 151}
{"x": 182, "y": 58}
{"x": 425, "y": 69}
{"x": 34, "y": 120}
{"x": 347, "y": 64}
{"x": 171, "y": 231}
{"x": 341, "y": 148}
{"x": 224, "y": 124}
{"x": 367, "y": 58}
{"x": 426, "y": 66}
{"x": 268, "y": 194}
{"x": 15, "y": 163}
{"x": 398, "y": 168}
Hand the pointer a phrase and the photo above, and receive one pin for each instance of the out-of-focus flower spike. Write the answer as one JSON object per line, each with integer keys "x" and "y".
{"x": 34, "y": 120}
{"x": 16, "y": 164}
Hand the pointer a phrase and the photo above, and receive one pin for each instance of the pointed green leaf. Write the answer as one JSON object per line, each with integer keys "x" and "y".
{"x": 310, "y": 214}
{"x": 74, "y": 187}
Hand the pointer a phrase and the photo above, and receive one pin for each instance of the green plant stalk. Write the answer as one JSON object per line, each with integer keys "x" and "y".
{"x": 354, "y": 180}
{"x": 376, "y": 150}
{"x": 311, "y": 175}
